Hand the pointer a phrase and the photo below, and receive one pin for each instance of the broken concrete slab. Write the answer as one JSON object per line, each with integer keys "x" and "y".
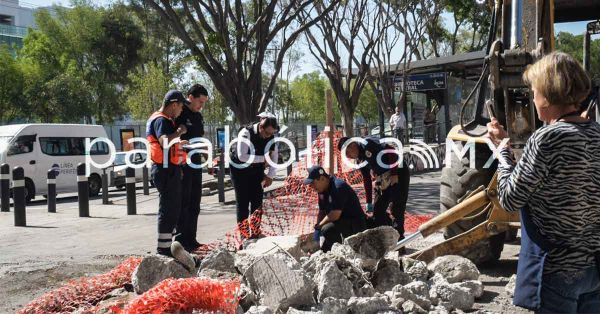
{"x": 401, "y": 294}
{"x": 345, "y": 251}
{"x": 388, "y": 274}
{"x": 290, "y": 244}
{"x": 451, "y": 297}
{"x": 333, "y": 283}
{"x": 510, "y": 287}
{"x": 418, "y": 271}
{"x": 218, "y": 275}
{"x": 154, "y": 269}
{"x": 278, "y": 285}
{"x": 475, "y": 287}
{"x": 334, "y": 306}
{"x": 259, "y": 309}
{"x": 292, "y": 310}
{"x": 219, "y": 259}
{"x": 410, "y": 307}
{"x": 454, "y": 268}
{"x": 357, "y": 305}
{"x": 373, "y": 243}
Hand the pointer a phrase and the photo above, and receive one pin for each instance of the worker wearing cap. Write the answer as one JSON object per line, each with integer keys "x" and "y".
{"x": 340, "y": 214}
{"x": 248, "y": 162}
{"x": 392, "y": 179}
{"x": 191, "y": 184}
{"x": 163, "y": 134}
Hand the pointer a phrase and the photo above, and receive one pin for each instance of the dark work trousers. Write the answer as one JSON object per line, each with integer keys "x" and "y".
{"x": 168, "y": 183}
{"x": 247, "y": 183}
{"x": 396, "y": 196}
{"x": 335, "y": 232}
{"x": 399, "y": 135}
{"x": 191, "y": 193}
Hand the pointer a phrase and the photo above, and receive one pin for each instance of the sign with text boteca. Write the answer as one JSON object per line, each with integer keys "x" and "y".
{"x": 422, "y": 82}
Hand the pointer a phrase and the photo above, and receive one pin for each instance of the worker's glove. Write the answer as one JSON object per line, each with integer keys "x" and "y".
{"x": 317, "y": 236}
{"x": 369, "y": 207}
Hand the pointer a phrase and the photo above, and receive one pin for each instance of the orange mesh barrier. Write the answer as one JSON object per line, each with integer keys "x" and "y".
{"x": 82, "y": 292}
{"x": 185, "y": 295}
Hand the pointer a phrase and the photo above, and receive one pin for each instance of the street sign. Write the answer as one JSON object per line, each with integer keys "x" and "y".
{"x": 422, "y": 82}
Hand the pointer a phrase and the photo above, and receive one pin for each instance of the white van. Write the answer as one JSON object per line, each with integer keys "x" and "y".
{"x": 41, "y": 147}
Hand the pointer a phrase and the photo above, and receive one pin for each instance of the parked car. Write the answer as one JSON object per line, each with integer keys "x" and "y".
{"x": 38, "y": 148}
{"x": 119, "y": 167}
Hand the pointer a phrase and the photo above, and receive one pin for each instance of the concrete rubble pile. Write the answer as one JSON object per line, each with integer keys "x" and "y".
{"x": 279, "y": 275}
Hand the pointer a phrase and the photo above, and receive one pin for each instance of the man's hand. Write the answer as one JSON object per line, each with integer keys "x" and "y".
{"x": 369, "y": 207}
{"x": 317, "y": 235}
{"x": 182, "y": 129}
{"x": 184, "y": 142}
{"x": 266, "y": 182}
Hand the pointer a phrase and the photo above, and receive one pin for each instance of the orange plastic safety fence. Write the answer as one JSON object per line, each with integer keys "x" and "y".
{"x": 185, "y": 295}
{"x": 85, "y": 291}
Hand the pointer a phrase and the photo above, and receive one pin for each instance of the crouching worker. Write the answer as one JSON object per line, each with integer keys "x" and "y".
{"x": 340, "y": 214}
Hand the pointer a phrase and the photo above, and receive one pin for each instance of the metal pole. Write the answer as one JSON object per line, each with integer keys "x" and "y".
{"x": 381, "y": 123}
{"x": 4, "y": 187}
{"x": 83, "y": 191}
{"x": 104, "y": 187}
{"x": 130, "y": 186}
{"x": 329, "y": 117}
{"x": 51, "y": 191}
{"x": 221, "y": 178}
{"x": 516, "y": 24}
{"x": 145, "y": 181}
{"x": 586, "y": 51}
{"x": 19, "y": 196}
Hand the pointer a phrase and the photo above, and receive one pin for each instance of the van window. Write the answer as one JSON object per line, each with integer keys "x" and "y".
{"x": 99, "y": 148}
{"x": 70, "y": 146}
{"x": 22, "y": 145}
{"x": 55, "y": 146}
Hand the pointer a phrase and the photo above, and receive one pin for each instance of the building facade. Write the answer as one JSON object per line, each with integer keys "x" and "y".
{"x": 15, "y": 19}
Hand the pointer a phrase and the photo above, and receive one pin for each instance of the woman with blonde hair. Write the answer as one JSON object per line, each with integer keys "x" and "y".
{"x": 556, "y": 187}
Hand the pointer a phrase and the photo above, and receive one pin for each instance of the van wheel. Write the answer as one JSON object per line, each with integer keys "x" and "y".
{"x": 95, "y": 185}
{"x": 29, "y": 190}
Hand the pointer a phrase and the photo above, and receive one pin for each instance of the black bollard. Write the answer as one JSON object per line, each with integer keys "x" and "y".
{"x": 51, "y": 191}
{"x": 130, "y": 186}
{"x": 104, "y": 187}
{"x": 83, "y": 191}
{"x": 19, "y": 196}
{"x": 5, "y": 187}
{"x": 221, "y": 178}
{"x": 145, "y": 181}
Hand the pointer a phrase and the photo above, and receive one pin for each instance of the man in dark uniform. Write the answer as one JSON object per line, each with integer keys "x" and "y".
{"x": 248, "y": 163}
{"x": 161, "y": 131}
{"x": 392, "y": 179}
{"x": 340, "y": 214}
{"x": 191, "y": 184}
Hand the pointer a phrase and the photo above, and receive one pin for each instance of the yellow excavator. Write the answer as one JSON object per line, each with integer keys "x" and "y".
{"x": 522, "y": 31}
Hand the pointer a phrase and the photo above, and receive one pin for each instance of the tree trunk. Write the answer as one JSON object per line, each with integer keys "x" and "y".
{"x": 348, "y": 120}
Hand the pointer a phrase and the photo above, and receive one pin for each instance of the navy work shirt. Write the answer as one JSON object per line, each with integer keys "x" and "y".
{"x": 194, "y": 122}
{"x": 369, "y": 154}
{"x": 340, "y": 196}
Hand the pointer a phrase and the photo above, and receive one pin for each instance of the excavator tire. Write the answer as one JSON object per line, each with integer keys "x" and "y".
{"x": 459, "y": 180}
